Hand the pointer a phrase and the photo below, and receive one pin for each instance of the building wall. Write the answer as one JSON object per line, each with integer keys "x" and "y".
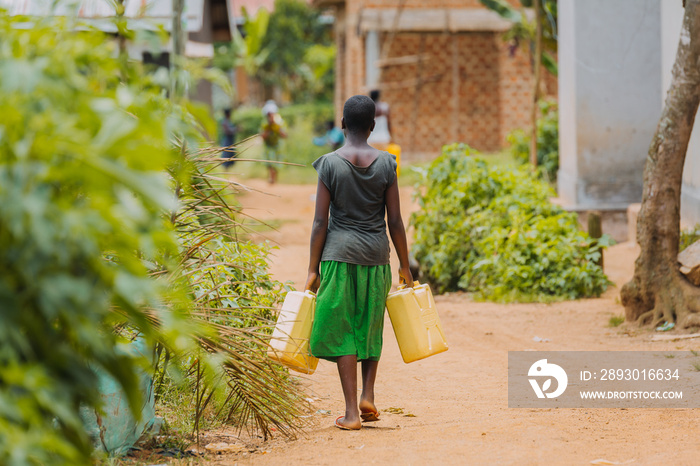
{"x": 470, "y": 88}
{"x": 609, "y": 99}
{"x": 478, "y": 101}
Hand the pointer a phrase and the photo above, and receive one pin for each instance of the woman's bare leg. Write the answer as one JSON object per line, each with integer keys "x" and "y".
{"x": 369, "y": 375}
{"x": 347, "y": 368}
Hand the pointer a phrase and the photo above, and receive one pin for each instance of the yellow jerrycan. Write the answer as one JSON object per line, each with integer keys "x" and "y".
{"x": 395, "y": 149}
{"x": 289, "y": 344}
{"x": 416, "y": 322}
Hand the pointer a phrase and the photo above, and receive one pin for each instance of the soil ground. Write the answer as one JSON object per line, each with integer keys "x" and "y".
{"x": 453, "y": 408}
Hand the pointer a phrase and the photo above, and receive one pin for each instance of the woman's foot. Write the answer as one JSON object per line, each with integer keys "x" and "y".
{"x": 345, "y": 424}
{"x": 368, "y": 412}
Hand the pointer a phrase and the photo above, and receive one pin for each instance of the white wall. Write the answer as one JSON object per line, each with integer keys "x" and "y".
{"x": 609, "y": 99}
{"x": 671, "y": 22}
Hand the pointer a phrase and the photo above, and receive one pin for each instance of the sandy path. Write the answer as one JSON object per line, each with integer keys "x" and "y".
{"x": 459, "y": 398}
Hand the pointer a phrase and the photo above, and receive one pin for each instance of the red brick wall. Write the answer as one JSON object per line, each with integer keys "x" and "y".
{"x": 491, "y": 98}
{"x": 515, "y": 89}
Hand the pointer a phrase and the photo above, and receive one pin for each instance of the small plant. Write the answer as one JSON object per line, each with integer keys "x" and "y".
{"x": 688, "y": 237}
{"x": 616, "y": 321}
{"x": 228, "y": 378}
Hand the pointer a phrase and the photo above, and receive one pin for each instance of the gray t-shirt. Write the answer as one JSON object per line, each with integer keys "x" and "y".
{"x": 356, "y": 227}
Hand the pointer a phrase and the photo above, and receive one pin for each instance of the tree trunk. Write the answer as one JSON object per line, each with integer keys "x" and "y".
{"x": 658, "y": 292}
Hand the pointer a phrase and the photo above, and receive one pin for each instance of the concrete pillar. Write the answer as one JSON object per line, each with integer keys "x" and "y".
{"x": 371, "y": 57}
{"x": 609, "y": 99}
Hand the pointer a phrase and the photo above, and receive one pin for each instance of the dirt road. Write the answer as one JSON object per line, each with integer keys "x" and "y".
{"x": 452, "y": 408}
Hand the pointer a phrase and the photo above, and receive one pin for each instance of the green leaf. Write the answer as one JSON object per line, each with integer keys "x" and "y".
{"x": 503, "y": 8}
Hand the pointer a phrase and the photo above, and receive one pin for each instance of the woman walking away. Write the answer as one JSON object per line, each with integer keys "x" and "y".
{"x": 349, "y": 259}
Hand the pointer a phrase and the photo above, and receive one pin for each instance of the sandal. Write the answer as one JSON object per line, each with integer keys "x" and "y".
{"x": 340, "y": 426}
{"x": 369, "y": 416}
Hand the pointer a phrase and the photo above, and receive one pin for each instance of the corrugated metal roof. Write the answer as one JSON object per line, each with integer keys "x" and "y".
{"x": 143, "y": 13}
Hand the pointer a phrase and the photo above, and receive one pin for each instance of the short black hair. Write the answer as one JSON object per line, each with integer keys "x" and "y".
{"x": 227, "y": 112}
{"x": 358, "y": 113}
{"x": 374, "y": 94}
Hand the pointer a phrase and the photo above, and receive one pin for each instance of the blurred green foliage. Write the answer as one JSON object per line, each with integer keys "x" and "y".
{"x": 301, "y": 53}
{"x": 82, "y": 190}
{"x": 547, "y": 141}
{"x": 523, "y": 28}
{"x": 493, "y": 231}
{"x": 290, "y": 49}
{"x": 99, "y": 242}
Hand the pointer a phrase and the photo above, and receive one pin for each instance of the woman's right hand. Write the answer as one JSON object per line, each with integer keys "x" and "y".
{"x": 406, "y": 276}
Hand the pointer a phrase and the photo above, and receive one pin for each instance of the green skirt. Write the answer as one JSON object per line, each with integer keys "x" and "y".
{"x": 350, "y": 311}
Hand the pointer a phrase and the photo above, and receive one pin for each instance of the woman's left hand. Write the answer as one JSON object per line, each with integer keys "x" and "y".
{"x": 313, "y": 281}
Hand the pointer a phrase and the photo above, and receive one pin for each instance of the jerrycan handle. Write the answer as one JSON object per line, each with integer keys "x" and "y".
{"x": 403, "y": 285}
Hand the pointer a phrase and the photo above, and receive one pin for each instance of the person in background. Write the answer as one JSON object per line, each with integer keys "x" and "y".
{"x": 381, "y": 135}
{"x": 227, "y": 137}
{"x": 334, "y": 136}
{"x": 272, "y": 131}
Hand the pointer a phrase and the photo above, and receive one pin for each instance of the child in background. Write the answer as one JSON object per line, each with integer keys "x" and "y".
{"x": 349, "y": 257}
{"x": 334, "y": 136}
{"x": 272, "y": 131}
{"x": 227, "y": 136}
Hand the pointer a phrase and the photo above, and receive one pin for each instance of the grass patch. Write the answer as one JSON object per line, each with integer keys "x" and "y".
{"x": 689, "y": 236}
{"x": 616, "y": 321}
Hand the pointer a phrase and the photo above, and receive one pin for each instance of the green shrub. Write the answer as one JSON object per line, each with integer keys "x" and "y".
{"x": 547, "y": 141}
{"x": 493, "y": 231}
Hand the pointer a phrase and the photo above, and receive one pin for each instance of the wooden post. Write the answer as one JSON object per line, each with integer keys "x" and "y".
{"x": 537, "y": 63}
{"x": 595, "y": 230}
{"x": 455, "y": 88}
{"x": 178, "y": 51}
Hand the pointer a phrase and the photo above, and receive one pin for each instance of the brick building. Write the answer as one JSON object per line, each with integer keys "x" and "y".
{"x": 442, "y": 65}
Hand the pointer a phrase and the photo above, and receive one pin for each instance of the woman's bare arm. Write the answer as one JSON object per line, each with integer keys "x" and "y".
{"x": 318, "y": 235}
{"x": 398, "y": 231}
